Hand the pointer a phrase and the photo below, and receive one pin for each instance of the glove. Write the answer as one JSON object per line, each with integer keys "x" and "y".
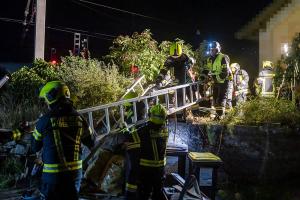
{"x": 16, "y": 135}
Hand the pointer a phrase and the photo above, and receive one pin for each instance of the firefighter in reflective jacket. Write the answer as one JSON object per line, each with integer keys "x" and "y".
{"x": 59, "y": 133}
{"x": 240, "y": 83}
{"x": 217, "y": 66}
{"x": 265, "y": 80}
{"x": 181, "y": 66}
{"x": 153, "y": 137}
{"x": 132, "y": 146}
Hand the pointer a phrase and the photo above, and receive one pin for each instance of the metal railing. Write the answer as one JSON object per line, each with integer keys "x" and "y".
{"x": 167, "y": 97}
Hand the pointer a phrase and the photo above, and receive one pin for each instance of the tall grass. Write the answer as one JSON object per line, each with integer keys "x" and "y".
{"x": 264, "y": 110}
{"x": 13, "y": 111}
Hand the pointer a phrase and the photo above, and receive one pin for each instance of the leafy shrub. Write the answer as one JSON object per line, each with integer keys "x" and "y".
{"x": 91, "y": 82}
{"x": 288, "y": 67}
{"x": 140, "y": 50}
{"x": 20, "y": 100}
{"x": 143, "y": 51}
{"x": 264, "y": 110}
{"x": 10, "y": 168}
{"x": 26, "y": 81}
{"x": 201, "y": 55}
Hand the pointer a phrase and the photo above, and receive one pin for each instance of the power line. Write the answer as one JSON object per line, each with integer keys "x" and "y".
{"x": 97, "y": 11}
{"x": 125, "y": 11}
{"x": 70, "y": 31}
{"x": 65, "y": 29}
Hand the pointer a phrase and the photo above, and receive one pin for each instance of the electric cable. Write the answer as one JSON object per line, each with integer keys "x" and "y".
{"x": 126, "y": 11}
{"x": 65, "y": 29}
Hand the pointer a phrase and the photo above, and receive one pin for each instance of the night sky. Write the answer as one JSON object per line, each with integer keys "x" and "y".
{"x": 167, "y": 20}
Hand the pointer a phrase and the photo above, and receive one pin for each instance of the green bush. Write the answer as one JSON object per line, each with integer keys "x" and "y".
{"x": 140, "y": 50}
{"x": 10, "y": 169}
{"x": 20, "y": 100}
{"x": 288, "y": 67}
{"x": 264, "y": 110}
{"x": 27, "y": 80}
{"x": 91, "y": 82}
{"x": 143, "y": 51}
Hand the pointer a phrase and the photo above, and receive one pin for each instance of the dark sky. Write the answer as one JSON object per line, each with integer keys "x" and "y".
{"x": 216, "y": 20}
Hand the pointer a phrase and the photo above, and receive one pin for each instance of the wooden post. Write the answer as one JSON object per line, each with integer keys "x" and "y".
{"x": 40, "y": 29}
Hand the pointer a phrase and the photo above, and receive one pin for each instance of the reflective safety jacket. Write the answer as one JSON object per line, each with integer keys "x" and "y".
{"x": 218, "y": 67}
{"x": 153, "y": 145}
{"x": 179, "y": 66}
{"x": 60, "y": 133}
{"x": 240, "y": 81}
{"x": 266, "y": 82}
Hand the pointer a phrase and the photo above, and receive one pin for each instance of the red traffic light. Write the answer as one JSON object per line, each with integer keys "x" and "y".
{"x": 53, "y": 62}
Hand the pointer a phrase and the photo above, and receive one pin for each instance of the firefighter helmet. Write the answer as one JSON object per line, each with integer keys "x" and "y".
{"x": 53, "y": 91}
{"x": 215, "y": 45}
{"x": 267, "y": 64}
{"x": 158, "y": 114}
{"x": 176, "y": 49}
{"x": 235, "y": 67}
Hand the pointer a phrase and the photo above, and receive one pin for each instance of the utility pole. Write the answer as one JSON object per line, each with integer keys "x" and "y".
{"x": 40, "y": 21}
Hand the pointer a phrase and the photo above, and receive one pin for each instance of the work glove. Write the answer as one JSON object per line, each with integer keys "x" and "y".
{"x": 24, "y": 127}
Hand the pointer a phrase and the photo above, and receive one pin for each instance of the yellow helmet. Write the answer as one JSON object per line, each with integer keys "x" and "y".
{"x": 53, "y": 91}
{"x": 176, "y": 49}
{"x": 267, "y": 63}
{"x": 158, "y": 114}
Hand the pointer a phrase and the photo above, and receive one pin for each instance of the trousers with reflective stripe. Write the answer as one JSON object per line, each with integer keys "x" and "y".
{"x": 68, "y": 166}
{"x": 132, "y": 170}
{"x": 153, "y": 146}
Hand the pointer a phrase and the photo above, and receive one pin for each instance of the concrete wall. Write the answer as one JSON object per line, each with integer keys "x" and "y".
{"x": 281, "y": 29}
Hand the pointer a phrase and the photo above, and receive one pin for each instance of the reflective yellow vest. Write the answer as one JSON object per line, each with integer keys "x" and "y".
{"x": 216, "y": 67}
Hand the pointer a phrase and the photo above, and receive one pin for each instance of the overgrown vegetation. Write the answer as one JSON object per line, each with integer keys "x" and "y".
{"x": 10, "y": 169}
{"x": 288, "y": 69}
{"x": 262, "y": 111}
{"x": 91, "y": 83}
{"x": 138, "y": 50}
{"x": 143, "y": 51}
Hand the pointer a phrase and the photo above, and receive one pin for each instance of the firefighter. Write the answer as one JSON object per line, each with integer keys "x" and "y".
{"x": 132, "y": 158}
{"x": 265, "y": 80}
{"x": 59, "y": 133}
{"x": 217, "y": 67}
{"x": 240, "y": 83}
{"x": 181, "y": 65}
{"x": 132, "y": 146}
{"x": 153, "y": 138}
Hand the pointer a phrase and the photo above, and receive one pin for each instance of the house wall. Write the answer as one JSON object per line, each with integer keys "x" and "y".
{"x": 281, "y": 29}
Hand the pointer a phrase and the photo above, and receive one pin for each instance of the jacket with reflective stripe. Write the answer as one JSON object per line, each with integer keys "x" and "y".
{"x": 266, "y": 82}
{"x": 60, "y": 133}
{"x": 153, "y": 145}
{"x": 240, "y": 80}
{"x": 217, "y": 67}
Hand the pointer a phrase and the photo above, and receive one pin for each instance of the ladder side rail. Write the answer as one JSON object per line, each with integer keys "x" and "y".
{"x": 151, "y": 95}
{"x": 183, "y": 96}
{"x": 107, "y": 120}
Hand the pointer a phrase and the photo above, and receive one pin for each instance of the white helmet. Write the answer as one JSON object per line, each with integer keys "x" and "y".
{"x": 236, "y": 66}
